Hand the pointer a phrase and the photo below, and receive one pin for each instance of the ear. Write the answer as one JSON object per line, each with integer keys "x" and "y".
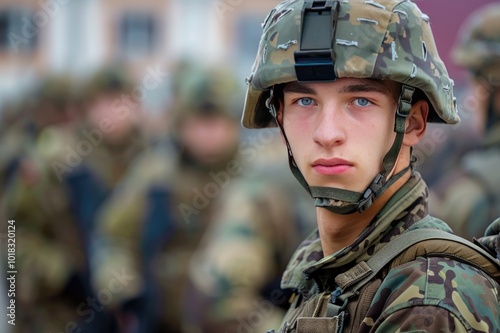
{"x": 416, "y": 123}
{"x": 280, "y": 113}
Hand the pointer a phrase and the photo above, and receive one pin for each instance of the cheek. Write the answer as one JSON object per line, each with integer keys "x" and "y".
{"x": 295, "y": 130}
{"x": 209, "y": 136}
{"x": 223, "y": 134}
{"x": 376, "y": 139}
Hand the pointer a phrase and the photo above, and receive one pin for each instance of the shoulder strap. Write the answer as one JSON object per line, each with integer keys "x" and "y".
{"x": 355, "y": 278}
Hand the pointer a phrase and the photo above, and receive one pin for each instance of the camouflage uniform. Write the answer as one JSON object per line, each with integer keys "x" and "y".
{"x": 51, "y": 102}
{"x": 385, "y": 40}
{"x": 54, "y": 199}
{"x": 49, "y": 256}
{"x": 156, "y": 217}
{"x": 235, "y": 272}
{"x": 131, "y": 225}
{"x": 409, "y": 295}
{"x": 16, "y": 137}
{"x": 469, "y": 196}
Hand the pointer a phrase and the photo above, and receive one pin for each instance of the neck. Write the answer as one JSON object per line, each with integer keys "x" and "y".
{"x": 337, "y": 231}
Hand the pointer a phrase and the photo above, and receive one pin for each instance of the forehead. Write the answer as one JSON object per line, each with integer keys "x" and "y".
{"x": 345, "y": 85}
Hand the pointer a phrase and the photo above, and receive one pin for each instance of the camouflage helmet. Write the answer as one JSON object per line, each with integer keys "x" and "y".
{"x": 478, "y": 45}
{"x": 54, "y": 100}
{"x": 57, "y": 90}
{"x": 384, "y": 39}
{"x": 112, "y": 79}
{"x": 204, "y": 90}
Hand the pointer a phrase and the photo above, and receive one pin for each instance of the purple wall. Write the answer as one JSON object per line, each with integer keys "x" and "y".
{"x": 446, "y": 19}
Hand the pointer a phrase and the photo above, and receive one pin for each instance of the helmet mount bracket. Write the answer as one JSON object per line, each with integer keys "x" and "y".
{"x": 315, "y": 60}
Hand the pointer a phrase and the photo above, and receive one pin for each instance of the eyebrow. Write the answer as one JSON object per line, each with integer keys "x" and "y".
{"x": 366, "y": 86}
{"x": 300, "y": 88}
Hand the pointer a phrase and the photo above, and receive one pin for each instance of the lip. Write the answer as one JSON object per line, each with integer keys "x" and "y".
{"x": 333, "y": 166}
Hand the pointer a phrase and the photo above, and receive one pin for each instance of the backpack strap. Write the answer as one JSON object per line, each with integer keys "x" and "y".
{"x": 406, "y": 247}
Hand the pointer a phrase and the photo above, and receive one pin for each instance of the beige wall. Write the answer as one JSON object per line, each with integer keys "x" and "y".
{"x": 56, "y": 44}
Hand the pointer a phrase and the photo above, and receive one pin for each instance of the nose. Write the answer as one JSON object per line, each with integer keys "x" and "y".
{"x": 329, "y": 130}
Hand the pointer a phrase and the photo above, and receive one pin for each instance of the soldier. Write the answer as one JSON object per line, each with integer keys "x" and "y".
{"x": 49, "y": 258}
{"x": 156, "y": 218}
{"x": 55, "y": 196}
{"x": 51, "y": 102}
{"x": 351, "y": 85}
{"x": 111, "y": 139}
{"x": 236, "y": 270}
{"x": 469, "y": 196}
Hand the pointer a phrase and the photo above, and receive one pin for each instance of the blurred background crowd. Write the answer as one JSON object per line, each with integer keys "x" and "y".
{"x": 140, "y": 203}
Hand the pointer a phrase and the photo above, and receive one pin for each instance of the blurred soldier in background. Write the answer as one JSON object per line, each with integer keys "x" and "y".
{"x": 53, "y": 102}
{"x": 235, "y": 273}
{"x": 469, "y": 197}
{"x": 14, "y": 131}
{"x": 113, "y": 123}
{"x": 55, "y": 195}
{"x": 49, "y": 255}
{"x": 157, "y": 216}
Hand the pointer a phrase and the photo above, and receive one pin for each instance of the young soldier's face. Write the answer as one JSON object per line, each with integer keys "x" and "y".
{"x": 339, "y": 132}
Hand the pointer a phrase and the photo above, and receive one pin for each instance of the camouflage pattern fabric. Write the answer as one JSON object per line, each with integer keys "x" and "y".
{"x": 123, "y": 227}
{"x": 236, "y": 270}
{"x": 63, "y": 175}
{"x": 120, "y": 240}
{"x": 17, "y": 140}
{"x": 410, "y": 295}
{"x": 155, "y": 219}
{"x": 468, "y": 198}
{"x": 53, "y": 196}
{"x": 491, "y": 238}
{"x": 50, "y": 253}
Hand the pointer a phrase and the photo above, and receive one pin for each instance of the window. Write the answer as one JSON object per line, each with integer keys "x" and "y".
{"x": 137, "y": 34}
{"x": 17, "y": 30}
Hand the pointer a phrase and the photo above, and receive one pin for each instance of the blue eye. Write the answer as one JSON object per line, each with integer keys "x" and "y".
{"x": 361, "y": 102}
{"x": 305, "y": 101}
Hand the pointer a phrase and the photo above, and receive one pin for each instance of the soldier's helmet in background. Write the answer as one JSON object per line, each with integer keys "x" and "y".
{"x": 107, "y": 80}
{"x": 478, "y": 44}
{"x": 204, "y": 91}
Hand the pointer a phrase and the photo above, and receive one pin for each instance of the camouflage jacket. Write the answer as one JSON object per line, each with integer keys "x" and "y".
{"x": 469, "y": 197}
{"x": 235, "y": 273}
{"x": 434, "y": 294}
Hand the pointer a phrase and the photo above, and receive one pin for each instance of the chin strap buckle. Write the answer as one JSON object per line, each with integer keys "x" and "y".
{"x": 372, "y": 193}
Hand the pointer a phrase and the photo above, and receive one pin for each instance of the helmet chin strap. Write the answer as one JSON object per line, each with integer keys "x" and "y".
{"x": 340, "y": 201}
